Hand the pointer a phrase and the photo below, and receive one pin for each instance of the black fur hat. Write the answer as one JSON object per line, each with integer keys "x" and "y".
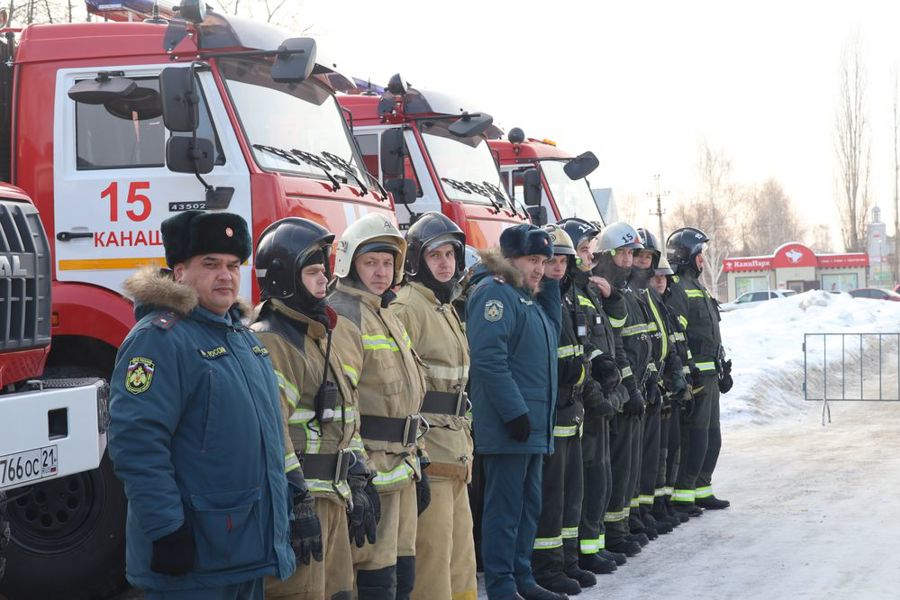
{"x": 194, "y": 232}
{"x": 525, "y": 240}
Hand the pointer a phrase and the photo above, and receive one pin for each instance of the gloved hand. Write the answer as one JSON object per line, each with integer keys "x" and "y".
{"x": 606, "y": 372}
{"x": 725, "y": 380}
{"x": 306, "y": 531}
{"x": 594, "y": 416}
{"x": 366, "y": 512}
{"x": 423, "y": 492}
{"x": 634, "y": 407}
{"x": 173, "y": 554}
{"x": 687, "y": 402}
{"x": 569, "y": 370}
{"x": 519, "y": 428}
{"x": 678, "y": 384}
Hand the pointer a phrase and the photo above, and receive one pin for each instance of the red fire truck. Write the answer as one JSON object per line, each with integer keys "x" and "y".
{"x": 551, "y": 182}
{"x": 433, "y": 155}
{"x": 111, "y": 127}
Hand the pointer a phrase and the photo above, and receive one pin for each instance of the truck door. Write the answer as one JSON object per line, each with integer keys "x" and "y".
{"x": 112, "y": 189}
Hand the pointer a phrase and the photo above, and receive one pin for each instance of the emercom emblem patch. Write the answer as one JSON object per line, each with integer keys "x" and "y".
{"x": 139, "y": 375}
{"x": 493, "y": 310}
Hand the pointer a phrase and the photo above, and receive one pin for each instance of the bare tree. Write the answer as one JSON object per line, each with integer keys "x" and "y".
{"x": 768, "y": 219}
{"x": 853, "y": 148}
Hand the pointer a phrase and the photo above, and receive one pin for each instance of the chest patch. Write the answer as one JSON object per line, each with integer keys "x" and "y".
{"x": 493, "y": 310}
{"x": 213, "y": 352}
{"x": 139, "y": 375}
{"x": 260, "y": 350}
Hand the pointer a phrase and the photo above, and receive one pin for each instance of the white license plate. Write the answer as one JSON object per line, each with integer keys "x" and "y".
{"x": 31, "y": 465}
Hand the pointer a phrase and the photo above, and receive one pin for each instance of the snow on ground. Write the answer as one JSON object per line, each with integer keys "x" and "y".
{"x": 765, "y": 344}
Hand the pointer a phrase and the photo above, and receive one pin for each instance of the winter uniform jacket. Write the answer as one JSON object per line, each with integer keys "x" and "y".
{"x": 196, "y": 438}
{"x": 572, "y": 371}
{"x": 696, "y": 310}
{"x": 635, "y": 340}
{"x": 297, "y": 346}
{"x": 390, "y": 380}
{"x": 513, "y": 336}
{"x": 437, "y": 336}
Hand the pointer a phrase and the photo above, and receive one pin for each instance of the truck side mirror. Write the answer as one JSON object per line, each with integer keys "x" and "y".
{"x": 295, "y": 60}
{"x": 102, "y": 89}
{"x": 186, "y": 155}
{"x": 193, "y": 10}
{"x": 581, "y": 166}
{"x": 403, "y": 190}
{"x": 532, "y": 188}
{"x": 392, "y": 153}
{"x": 471, "y": 125}
{"x": 538, "y": 215}
{"x": 179, "y": 99}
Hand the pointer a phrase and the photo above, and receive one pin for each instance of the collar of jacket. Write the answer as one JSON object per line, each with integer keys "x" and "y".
{"x": 153, "y": 289}
{"x": 314, "y": 329}
{"x": 364, "y": 295}
{"x": 426, "y": 291}
{"x": 494, "y": 264}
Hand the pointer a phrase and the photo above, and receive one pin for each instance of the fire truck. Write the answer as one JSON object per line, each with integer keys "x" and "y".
{"x": 550, "y": 182}
{"x": 432, "y": 154}
{"x": 111, "y": 127}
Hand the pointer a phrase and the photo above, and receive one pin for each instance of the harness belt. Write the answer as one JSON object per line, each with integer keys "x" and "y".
{"x": 329, "y": 467}
{"x": 403, "y": 430}
{"x": 445, "y": 403}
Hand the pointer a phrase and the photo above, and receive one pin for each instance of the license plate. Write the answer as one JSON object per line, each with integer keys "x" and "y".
{"x": 30, "y": 465}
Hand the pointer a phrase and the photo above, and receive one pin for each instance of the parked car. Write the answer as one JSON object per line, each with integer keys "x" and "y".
{"x": 875, "y": 294}
{"x": 751, "y": 299}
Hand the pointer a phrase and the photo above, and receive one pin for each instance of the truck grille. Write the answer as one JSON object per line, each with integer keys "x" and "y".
{"x": 24, "y": 278}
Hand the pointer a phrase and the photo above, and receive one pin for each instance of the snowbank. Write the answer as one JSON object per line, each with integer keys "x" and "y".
{"x": 765, "y": 344}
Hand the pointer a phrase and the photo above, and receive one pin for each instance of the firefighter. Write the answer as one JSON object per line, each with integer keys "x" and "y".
{"x": 368, "y": 264}
{"x": 513, "y": 328}
{"x": 701, "y": 436}
{"x": 555, "y": 557}
{"x": 195, "y": 432}
{"x": 445, "y": 549}
{"x": 603, "y": 396}
{"x": 615, "y": 255}
{"x": 318, "y": 401}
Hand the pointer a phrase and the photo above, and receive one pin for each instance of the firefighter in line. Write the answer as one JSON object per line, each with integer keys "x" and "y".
{"x": 698, "y": 312}
{"x": 603, "y": 396}
{"x": 195, "y": 432}
{"x": 445, "y": 549}
{"x": 368, "y": 264}
{"x": 513, "y": 329}
{"x": 555, "y": 557}
{"x": 615, "y": 247}
{"x": 318, "y": 400}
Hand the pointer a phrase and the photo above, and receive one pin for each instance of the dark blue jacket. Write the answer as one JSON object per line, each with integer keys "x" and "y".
{"x": 513, "y": 337}
{"x": 196, "y": 438}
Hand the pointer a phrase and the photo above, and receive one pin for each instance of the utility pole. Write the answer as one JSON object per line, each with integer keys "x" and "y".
{"x": 659, "y": 212}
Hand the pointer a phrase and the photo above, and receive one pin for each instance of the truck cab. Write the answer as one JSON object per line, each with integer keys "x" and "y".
{"x": 433, "y": 156}
{"x": 552, "y": 183}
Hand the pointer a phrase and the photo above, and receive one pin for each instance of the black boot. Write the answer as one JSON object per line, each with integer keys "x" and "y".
{"x": 539, "y": 593}
{"x": 640, "y": 538}
{"x": 660, "y": 513}
{"x": 584, "y": 578}
{"x": 626, "y": 547}
{"x": 670, "y": 508}
{"x": 617, "y": 558}
{"x": 380, "y": 584}
{"x": 560, "y": 583}
{"x": 661, "y": 527}
{"x": 688, "y": 508}
{"x": 595, "y": 563}
{"x": 712, "y": 503}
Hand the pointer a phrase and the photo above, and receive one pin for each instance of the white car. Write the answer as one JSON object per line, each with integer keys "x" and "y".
{"x": 751, "y": 299}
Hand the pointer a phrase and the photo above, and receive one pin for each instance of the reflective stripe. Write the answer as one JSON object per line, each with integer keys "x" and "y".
{"x": 706, "y": 366}
{"x": 291, "y": 393}
{"x": 356, "y": 443}
{"x": 615, "y": 516}
{"x": 626, "y": 372}
{"x": 695, "y": 293}
{"x": 690, "y": 355}
{"x": 571, "y": 350}
{"x": 602, "y": 540}
{"x": 662, "y": 326}
{"x": 452, "y": 373}
{"x": 682, "y": 495}
{"x": 635, "y": 503}
{"x": 703, "y": 492}
{"x": 301, "y": 416}
{"x": 328, "y": 486}
{"x": 589, "y": 546}
{"x": 352, "y": 373}
{"x": 617, "y": 323}
{"x": 585, "y": 301}
{"x": 547, "y": 543}
{"x": 581, "y": 377}
{"x": 565, "y": 430}
{"x": 651, "y": 328}
{"x": 350, "y": 414}
{"x": 683, "y": 320}
{"x": 595, "y": 354}
{"x": 669, "y": 490}
{"x": 679, "y": 336}
{"x": 384, "y": 342}
{"x": 569, "y": 533}
{"x": 659, "y": 492}
{"x": 395, "y": 475}
{"x": 645, "y": 499}
{"x": 291, "y": 462}
{"x": 686, "y": 370}
{"x": 634, "y": 330}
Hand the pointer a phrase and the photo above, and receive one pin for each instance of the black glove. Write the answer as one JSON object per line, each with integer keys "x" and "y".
{"x": 725, "y": 380}
{"x": 634, "y": 407}
{"x": 423, "y": 492}
{"x": 366, "y": 512}
{"x": 594, "y": 416}
{"x": 306, "y": 531}
{"x": 606, "y": 372}
{"x": 569, "y": 370}
{"x": 519, "y": 428}
{"x": 173, "y": 554}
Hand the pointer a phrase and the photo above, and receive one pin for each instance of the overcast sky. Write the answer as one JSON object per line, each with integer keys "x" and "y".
{"x": 643, "y": 83}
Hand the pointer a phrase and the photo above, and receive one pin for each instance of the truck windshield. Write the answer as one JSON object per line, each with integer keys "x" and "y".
{"x": 464, "y": 165}
{"x": 573, "y": 198}
{"x": 300, "y": 118}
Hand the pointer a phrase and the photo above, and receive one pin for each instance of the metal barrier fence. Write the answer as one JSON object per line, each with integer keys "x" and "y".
{"x": 839, "y": 367}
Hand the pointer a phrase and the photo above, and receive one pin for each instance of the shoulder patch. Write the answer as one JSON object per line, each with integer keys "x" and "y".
{"x": 493, "y": 310}
{"x": 166, "y": 320}
{"x": 139, "y": 375}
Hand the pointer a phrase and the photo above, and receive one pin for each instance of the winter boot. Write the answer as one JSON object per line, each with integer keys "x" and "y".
{"x": 560, "y": 583}
{"x": 584, "y": 578}
{"x": 626, "y": 547}
{"x": 660, "y": 513}
{"x": 617, "y": 558}
{"x": 712, "y": 503}
{"x": 688, "y": 508}
{"x": 670, "y": 508}
{"x": 539, "y": 593}
{"x": 640, "y": 538}
{"x": 596, "y": 563}
{"x": 661, "y": 527}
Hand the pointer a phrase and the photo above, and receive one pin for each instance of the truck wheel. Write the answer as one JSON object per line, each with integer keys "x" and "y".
{"x": 68, "y": 538}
